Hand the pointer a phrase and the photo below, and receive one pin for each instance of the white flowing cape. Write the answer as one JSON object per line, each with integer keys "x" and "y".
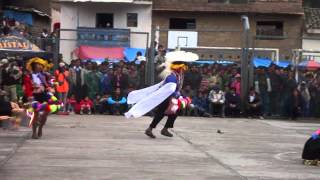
{"x": 148, "y": 98}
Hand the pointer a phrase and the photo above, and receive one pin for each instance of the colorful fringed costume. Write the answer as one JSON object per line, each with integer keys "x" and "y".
{"x": 43, "y": 100}
{"x": 164, "y": 96}
{"x": 311, "y": 151}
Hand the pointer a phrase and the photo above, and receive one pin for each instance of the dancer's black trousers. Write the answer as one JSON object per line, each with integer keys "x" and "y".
{"x": 159, "y": 115}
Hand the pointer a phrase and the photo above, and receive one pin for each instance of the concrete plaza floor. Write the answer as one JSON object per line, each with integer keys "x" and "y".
{"x": 111, "y": 147}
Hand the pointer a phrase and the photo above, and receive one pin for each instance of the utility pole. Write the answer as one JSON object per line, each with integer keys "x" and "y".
{"x": 245, "y": 61}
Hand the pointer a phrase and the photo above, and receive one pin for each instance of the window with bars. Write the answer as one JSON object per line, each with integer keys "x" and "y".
{"x": 132, "y": 20}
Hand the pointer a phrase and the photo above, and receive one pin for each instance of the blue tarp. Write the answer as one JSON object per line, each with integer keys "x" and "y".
{"x": 223, "y": 62}
{"x": 283, "y": 63}
{"x": 22, "y": 17}
{"x": 261, "y": 62}
{"x": 130, "y": 53}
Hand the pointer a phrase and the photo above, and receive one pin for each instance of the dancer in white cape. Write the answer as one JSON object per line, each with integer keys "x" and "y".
{"x": 164, "y": 96}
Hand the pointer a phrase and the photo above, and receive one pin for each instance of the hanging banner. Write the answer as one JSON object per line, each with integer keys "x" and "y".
{"x": 17, "y": 43}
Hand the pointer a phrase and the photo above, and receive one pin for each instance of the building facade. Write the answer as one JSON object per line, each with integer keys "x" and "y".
{"x": 133, "y": 15}
{"x": 275, "y": 24}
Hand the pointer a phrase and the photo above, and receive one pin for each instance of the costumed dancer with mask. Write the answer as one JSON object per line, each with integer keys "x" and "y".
{"x": 44, "y": 101}
{"x": 311, "y": 150}
{"x": 164, "y": 96}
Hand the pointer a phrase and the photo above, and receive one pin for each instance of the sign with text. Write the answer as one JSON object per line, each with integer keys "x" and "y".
{"x": 17, "y": 43}
{"x": 103, "y": 37}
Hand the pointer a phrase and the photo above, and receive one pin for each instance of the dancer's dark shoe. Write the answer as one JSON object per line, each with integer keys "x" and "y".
{"x": 149, "y": 133}
{"x": 34, "y": 132}
{"x": 165, "y": 132}
{"x": 40, "y": 132}
{"x": 34, "y": 136}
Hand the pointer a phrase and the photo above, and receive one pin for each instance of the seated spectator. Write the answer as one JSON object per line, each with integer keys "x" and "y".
{"x": 254, "y": 108}
{"x": 216, "y": 100}
{"x": 117, "y": 104}
{"x": 71, "y": 103}
{"x": 200, "y": 105}
{"x": 9, "y": 109}
{"x": 103, "y": 106}
{"x": 86, "y": 106}
{"x": 232, "y": 105}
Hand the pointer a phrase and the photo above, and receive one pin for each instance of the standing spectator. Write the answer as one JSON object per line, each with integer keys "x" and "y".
{"x": 294, "y": 104}
{"x": 236, "y": 84}
{"x": 44, "y": 39}
{"x": 290, "y": 86}
{"x": 232, "y": 105}
{"x": 305, "y": 97}
{"x": 117, "y": 103}
{"x": 120, "y": 80}
{"x": 77, "y": 75}
{"x": 160, "y": 57}
{"x": 62, "y": 87}
{"x": 142, "y": 74}
{"x": 92, "y": 80}
{"x": 106, "y": 86}
{"x": 27, "y": 86}
{"x": 11, "y": 75}
{"x": 254, "y": 104}
{"x": 133, "y": 78}
{"x": 217, "y": 100}
{"x": 193, "y": 78}
{"x": 263, "y": 87}
{"x": 276, "y": 90}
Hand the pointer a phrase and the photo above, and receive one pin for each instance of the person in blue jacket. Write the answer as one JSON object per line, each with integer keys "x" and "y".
{"x": 117, "y": 103}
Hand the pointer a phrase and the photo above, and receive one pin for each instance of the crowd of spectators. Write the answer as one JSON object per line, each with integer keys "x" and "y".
{"x": 89, "y": 88}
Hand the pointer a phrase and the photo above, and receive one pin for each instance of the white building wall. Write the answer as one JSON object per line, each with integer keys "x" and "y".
{"x": 310, "y": 44}
{"x": 87, "y": 18}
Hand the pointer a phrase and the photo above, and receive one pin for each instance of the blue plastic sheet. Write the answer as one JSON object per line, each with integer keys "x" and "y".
{"x": 130, "y": 53}
{"x": 261, "y": 62}
{"x": 283, "y": 63}
{"x": 22, "y": 17}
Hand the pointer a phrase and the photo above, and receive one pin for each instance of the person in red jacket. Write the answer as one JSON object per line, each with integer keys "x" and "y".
{"x": 27, "y": 86}
{"x": 86, "y": 106}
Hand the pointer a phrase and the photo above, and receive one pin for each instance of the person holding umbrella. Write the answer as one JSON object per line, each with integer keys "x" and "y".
{"x": 164, "y": 96}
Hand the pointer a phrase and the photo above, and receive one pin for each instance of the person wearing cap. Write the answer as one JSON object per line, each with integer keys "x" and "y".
{"x": 62, "y": 86}
{"x": 164, "y": 96}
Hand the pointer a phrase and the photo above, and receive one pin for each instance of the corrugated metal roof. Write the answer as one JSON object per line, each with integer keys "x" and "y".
{"x": 312, "y": 16}
{"x": 33, "y": 10}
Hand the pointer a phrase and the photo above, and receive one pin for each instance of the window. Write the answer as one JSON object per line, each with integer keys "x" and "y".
{"x": 104, "y": 20}
{"x": 132, "y": 20}
{"x": 181, "y": 23}
{"x": 269, "y": 29}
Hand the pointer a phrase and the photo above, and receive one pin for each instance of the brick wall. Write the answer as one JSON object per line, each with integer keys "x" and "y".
{"x": 259, "y": 6}
{"x": 209, "y": 21}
